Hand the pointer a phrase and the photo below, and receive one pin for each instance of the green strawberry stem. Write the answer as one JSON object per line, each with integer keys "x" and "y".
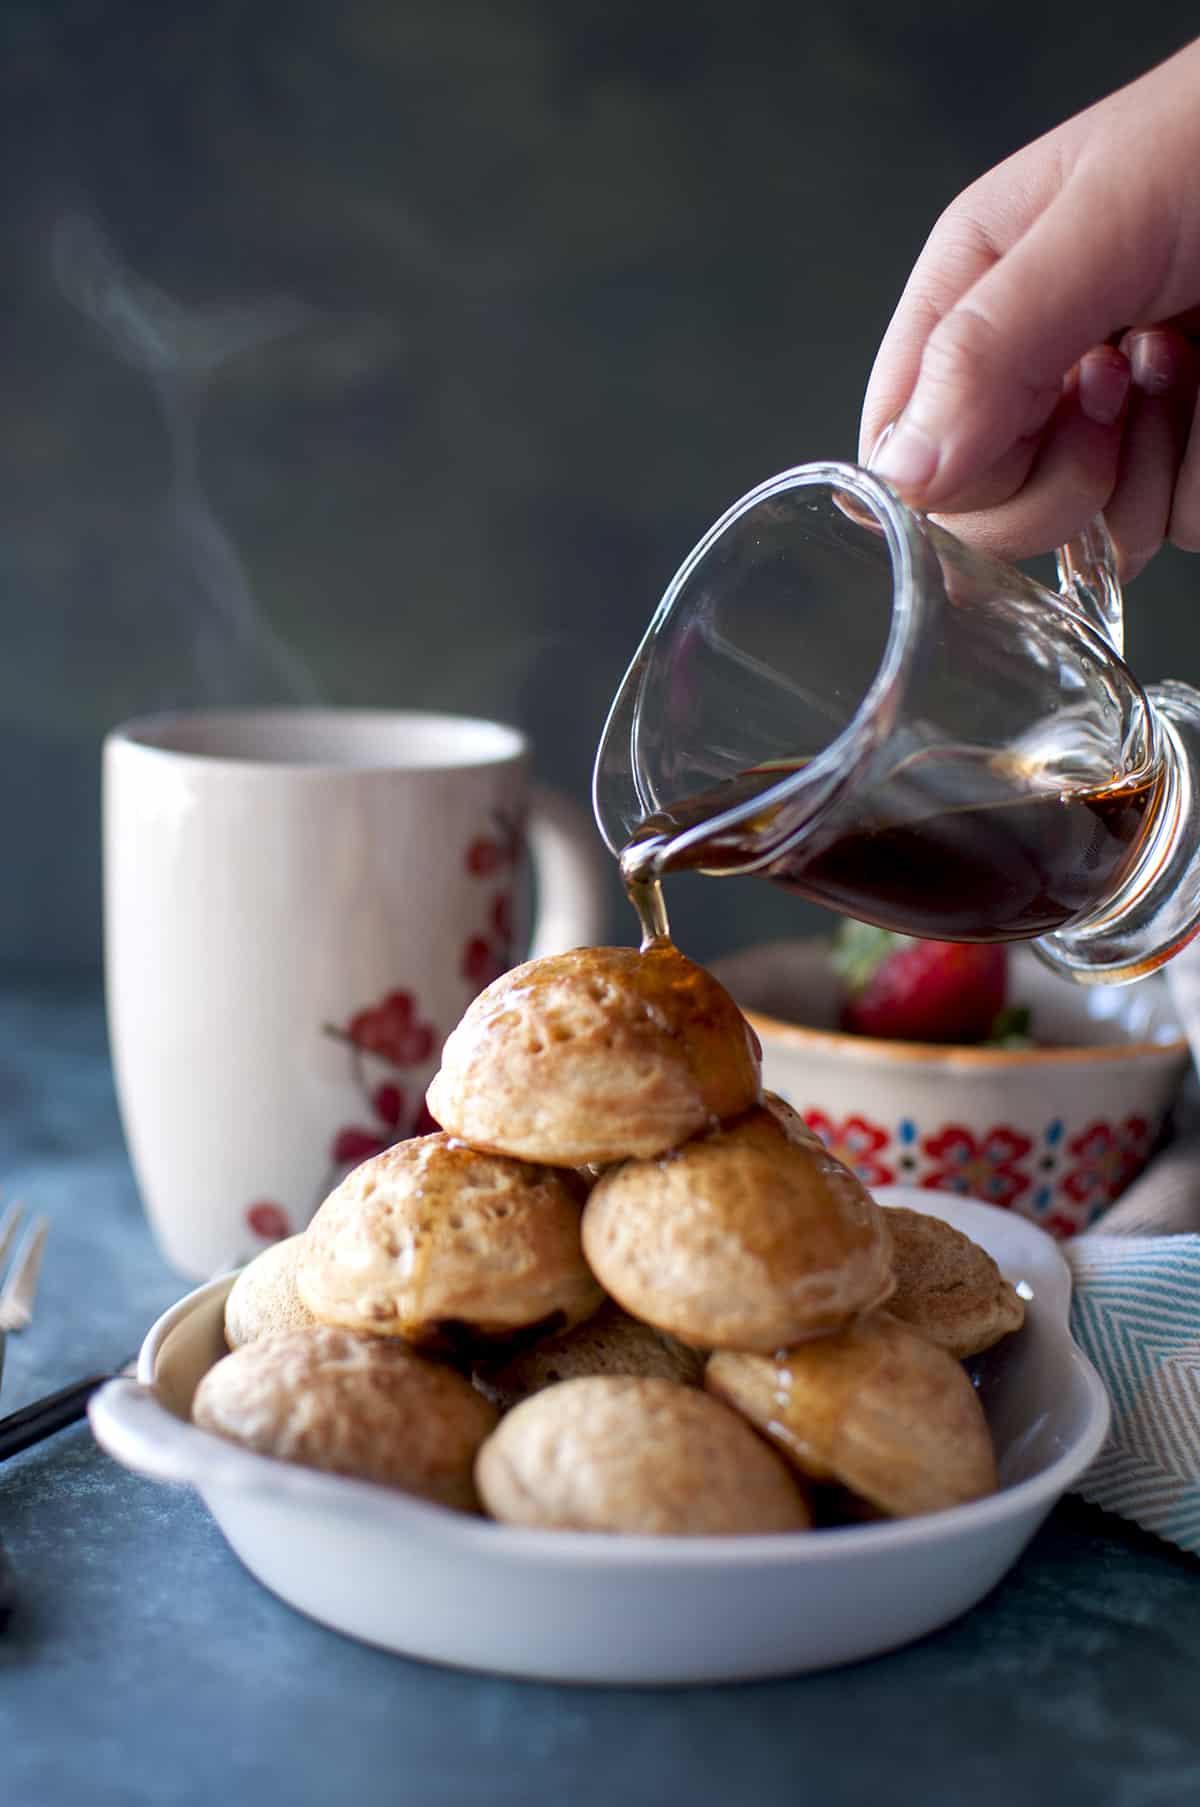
{"x": 1011, "y": 1028}
{"x": 859, "y": 950}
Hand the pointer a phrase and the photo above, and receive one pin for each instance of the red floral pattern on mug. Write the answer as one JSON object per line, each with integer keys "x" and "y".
{"x": 484, "y": 857}
{"x": 1107, "y": 1155}
{"x": 489, "y": 853}
{"x": 353, "y": 1144}
{"x": 856, "y": 1143}
{"x": 481, "y": 962}
{"x": 389, "y": 1104}
{"x": 268, "y": 1220}
{"x": 983, "y": 1167}
{"x": 486, "y": 956}
{"x": 489, "y": 953}
{"x": 392, "y": 1030}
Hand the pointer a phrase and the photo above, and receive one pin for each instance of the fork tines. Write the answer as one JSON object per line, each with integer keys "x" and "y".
{"x": 20, "y": 1283}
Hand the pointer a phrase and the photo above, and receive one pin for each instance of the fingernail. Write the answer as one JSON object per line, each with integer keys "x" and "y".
{"x": 1103, "y": 384}
{"x": 904, "y": 456}
{"x": 1153, "y": 362}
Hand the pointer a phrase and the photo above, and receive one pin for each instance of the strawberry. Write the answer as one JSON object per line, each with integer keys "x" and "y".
{"x": 919, "y": 991}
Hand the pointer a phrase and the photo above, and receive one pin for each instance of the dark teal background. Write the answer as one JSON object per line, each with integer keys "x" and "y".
{"x": 419, "y": 342}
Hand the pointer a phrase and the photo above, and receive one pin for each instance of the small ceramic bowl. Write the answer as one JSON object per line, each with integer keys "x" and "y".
{"x": 1056, "y": 1131}
{"x": 582, "y": 1606}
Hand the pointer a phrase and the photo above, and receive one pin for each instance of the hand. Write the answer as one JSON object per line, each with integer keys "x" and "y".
{"x": 1041, "y": 359}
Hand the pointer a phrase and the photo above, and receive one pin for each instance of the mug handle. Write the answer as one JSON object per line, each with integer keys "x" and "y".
{"x": 570, "y": 875}
{"x": 1087, "y": 579}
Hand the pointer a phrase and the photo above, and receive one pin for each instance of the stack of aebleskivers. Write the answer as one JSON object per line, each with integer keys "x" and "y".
{"x": 623, "y": 1290}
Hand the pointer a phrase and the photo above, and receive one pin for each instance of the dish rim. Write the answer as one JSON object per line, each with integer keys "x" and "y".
{"x": 951, "y": 1054}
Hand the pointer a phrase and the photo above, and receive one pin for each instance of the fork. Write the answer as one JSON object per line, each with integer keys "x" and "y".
{"x": 33, "y": 1423}
{"x": 20, "y": 1284}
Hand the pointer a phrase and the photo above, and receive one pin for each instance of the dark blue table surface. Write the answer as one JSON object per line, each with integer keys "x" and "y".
{"x": 144, "y": 1665}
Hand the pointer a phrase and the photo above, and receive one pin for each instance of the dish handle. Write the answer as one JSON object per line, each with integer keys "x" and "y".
{"x": 130, "y": 1422}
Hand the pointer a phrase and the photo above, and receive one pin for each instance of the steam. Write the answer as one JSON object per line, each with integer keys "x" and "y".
{"x": 238, "y": 655}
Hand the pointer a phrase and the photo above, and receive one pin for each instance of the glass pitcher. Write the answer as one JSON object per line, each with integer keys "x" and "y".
{"x": 839, "y": 695}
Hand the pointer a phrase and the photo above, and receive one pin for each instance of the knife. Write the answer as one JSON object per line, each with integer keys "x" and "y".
{"x": 8, "y": 1596}
{"x": 44, "y": 1417}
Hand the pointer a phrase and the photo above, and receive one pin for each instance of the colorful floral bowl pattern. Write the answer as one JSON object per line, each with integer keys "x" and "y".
{"x": 1055, "y": 1132}
{"x": 1062, "y": 1182}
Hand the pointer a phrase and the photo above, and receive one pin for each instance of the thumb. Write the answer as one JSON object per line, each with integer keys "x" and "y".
{"x": 991, "y": 369}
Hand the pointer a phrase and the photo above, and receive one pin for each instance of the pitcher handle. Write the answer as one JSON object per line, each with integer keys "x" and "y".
{"x": 1087, "y": 579}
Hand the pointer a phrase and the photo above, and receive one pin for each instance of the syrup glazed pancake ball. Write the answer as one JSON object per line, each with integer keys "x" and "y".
{"x": 590, "y": 1056}
{"x": 440, "y": 1244}
{"x": 745, "y": 1238}
{"x": 263, "y": 1298}
{"x": 790, "y": 1120}
{"x": 614, "y": 1453}
{"x": 610, "y": 1343}
{"x": 353, "y": 1405}
{"x": 875, "y": 1407}
{"x": 947, "y": 1287}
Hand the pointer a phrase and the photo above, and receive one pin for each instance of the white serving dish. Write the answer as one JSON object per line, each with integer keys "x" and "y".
{"x": 583, "y": 1607}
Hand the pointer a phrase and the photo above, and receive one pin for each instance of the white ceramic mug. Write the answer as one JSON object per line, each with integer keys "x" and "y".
{"x": 299, "y": 905}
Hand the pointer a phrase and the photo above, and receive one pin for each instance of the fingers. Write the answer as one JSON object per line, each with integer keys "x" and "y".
{"x": 1114, "y": 445}
{"x": 1164, "y": 376}
{"x": 1183, "y": 526}
{"x": 1012, "y": 411}
{"x": 992, "y": 368}
{"x": 1101, "y": 384}
{"x": 951, "y": 262}
{"x": 999, "y": 482}
{"x": 969, "y": 239}
{"x": 1070, "y": 480}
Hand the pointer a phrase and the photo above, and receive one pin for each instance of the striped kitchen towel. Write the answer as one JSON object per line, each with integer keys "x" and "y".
{"x": 1135, "y": 1312}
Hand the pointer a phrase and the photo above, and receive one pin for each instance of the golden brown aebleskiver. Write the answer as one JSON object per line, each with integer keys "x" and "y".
{"x": 615, "y": 1453}
{"x": 263, "y": 1298}
{"x": 443, "y": 1245}
{"x": 745, "y": 1238}
{"x": 790, "y": 1120}
{"x": 353, "y": 1405}
{"x": 587, "y": 1057}
{"x": 610, "y": 1342}
{"x": 947, "y": 1287}
{"x": 875, "y": 1407}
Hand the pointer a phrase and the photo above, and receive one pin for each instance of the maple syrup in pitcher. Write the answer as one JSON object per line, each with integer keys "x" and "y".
{"x": 953, "y": 847}
{"x": 965, "y": 754}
